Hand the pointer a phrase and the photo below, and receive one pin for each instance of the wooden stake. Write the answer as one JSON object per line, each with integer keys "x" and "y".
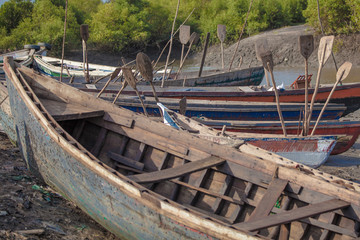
{"x": 204, "y": 54}
{"x": 63, "y": 43}
{"x": 171, "y": 41}
{"x": 221, "y": 33}
{"x": 242, "y": 31}
{"x": 84, "y": 32}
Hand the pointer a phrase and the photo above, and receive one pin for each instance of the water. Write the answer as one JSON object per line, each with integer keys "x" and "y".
{"x": 328, "y": 75}
{"x": 287, "y": 75}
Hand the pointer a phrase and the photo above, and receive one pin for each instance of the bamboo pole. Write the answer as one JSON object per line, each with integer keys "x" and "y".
{"x": 63, "y": 43}
{"x": 242, "y": 31}
{"x": 172, "y": 35}
{"x": 204, "y": 54}
{"x": 171, "y": 41}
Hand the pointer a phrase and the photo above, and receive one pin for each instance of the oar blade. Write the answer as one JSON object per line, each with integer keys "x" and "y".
{"x": 343, "y": 71}
{"x": 115, "y": 73}
{"x": 264, "y": 55}
{"x": 143, "y": 64}
{"x": 267, "y": 61}
{"x": 221, "y": 32}
{"x": 184, "y": 34}
{"x": 129, "y": 77}
{"x": 194, "y": 38}
{"x": 326, "y": 44}
{"x": 84, "y": 32}
{"x": 306, "y": 44}
{"x": 261, "y": 46}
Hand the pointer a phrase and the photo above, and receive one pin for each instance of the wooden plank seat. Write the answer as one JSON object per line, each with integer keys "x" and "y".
{"x": 293, "y": 215}
{"x": 269, "y": 199}
{"x": 126, "y": 161}
{"x": 171, "y": 173}
{"x": 61, "y": 111}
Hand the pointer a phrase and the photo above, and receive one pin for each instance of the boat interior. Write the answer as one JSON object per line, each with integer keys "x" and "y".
{"x": 235, "y": 192}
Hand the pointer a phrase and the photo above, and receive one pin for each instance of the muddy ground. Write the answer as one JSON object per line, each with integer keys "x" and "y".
{"x": 30, "y": 210}
{"x": 282, "y": 42}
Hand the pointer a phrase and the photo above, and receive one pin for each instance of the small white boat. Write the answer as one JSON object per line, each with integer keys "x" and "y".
{"x": 52, "y": 67}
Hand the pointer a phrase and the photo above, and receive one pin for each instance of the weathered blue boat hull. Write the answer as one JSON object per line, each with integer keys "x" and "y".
{"x": 239, "y": 77}
{"x": 113, "y": 207}
{"x": 6, "y": 118}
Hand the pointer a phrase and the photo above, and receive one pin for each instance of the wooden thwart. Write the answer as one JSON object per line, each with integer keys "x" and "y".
{"x": 126, "y": 161}
{"x": 293, "y": 215}
{"x": 175, "y": 172}
{"x": 269, "y": 199}
{"x": 62, "y": 111}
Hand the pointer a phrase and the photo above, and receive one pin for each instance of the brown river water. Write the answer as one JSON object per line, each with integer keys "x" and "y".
{"x": 328, "y": 75}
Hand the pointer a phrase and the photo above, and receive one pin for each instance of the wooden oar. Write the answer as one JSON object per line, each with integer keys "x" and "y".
{"x": 261, "y": 47}
{"x": 162, "y": 51}
{"x": 113, "y": 75}
{"x": 130, "y": 79}
{"x": 143, "y": 64}
{"x": 341, "y": 74}
{"x": 324, "y": 52}
{"x": 221, "y": 33}
{"x": 306, "y": 44}
{"x": 194, "y": 38}
{"x": 124, "y": 85}
{"x": 204, "y": 54}
{"x": 84, "y": 32}
{"x": 267, "y": 60}
{"x": 184, "y": 36}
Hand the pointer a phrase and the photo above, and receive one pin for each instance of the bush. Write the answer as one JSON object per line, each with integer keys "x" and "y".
{"x": 337, "y": 16}
{"x": 13, "y": 11}
{"x": 122, "y": 24}
{"x": 46, "y": 24}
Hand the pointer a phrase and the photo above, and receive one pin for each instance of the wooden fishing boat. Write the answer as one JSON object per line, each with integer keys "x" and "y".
{"x": 141, "y": 179}
{"x": 349, "y": 130}
{"x": 17, "y": 55}
{"x": 310, "y": 151}
{"x": 52, "y": 67}
{"x": 347, "y": 93}
{"x": 236, "y": 77}
{"x": 222, "y": 110}
{"x": 24, "y": 56}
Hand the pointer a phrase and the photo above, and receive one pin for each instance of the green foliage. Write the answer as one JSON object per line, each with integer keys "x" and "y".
{"x": 355, "y": 15}
{"x": 124, "y": 24}
{"x": 337, "y": 16}
{"x": 46, "y": 24}
{"x": 13, "y": 11}
{"x": 119, "y": 25}
{"x": 83, "y": 9}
